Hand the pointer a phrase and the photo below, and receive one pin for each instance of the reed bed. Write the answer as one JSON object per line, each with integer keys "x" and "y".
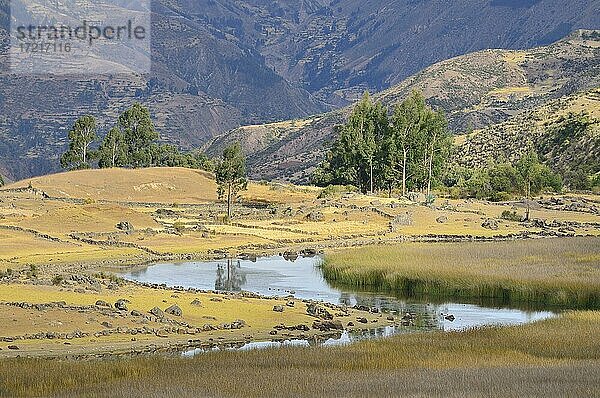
{"x": 557, "y": 356}
{"x": 557, "y": 272}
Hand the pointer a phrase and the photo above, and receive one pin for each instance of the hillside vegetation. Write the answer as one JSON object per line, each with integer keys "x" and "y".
{"x": 475, "y": 91}
{"x": 565, "y": 132}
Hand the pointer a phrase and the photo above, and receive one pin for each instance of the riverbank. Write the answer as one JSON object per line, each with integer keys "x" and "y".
{"x": 556, "y": 272}
{"x": 89, "y": 316}
{"x": 554, "y": 357}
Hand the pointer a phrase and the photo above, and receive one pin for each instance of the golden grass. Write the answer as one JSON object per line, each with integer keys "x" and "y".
{"x": 557, "y": 356}
{"x": 155, "y": 185}
{"x": 553, "y": 271}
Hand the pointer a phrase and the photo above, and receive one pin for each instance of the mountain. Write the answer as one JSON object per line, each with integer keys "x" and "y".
{"x": 217, "y": 65}
{"x": 565, "y": 132}
{"x": 475, "y": 90}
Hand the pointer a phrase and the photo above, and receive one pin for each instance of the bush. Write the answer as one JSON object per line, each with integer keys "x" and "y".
{"x": 88, "y": 201}
{"x": 336, "y": 190}
{"x": 511, "y": 216}
{"x": 32, "y": 273}
{"x": 57, "y": 280}
{"x": 501, "y": 197}
{"x": 179, "y": 227}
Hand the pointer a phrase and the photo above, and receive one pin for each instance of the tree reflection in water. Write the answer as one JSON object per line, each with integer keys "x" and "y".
{"x": 230, "y": 277}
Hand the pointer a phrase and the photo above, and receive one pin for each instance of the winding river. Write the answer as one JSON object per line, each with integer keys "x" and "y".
{"x": 303, "y": 278}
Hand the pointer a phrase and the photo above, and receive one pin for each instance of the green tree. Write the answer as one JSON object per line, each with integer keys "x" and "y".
{"x": 355, "y": 156}
{"x": 81, "y": 137}
{"x": 438, "y": 144}
{"x": 535, "y": 176}
{"x": 139, "y": 133}
{"x": 230, "y": 174}
{"x": 112, "y": 151}
{"x": 407, "y": 123}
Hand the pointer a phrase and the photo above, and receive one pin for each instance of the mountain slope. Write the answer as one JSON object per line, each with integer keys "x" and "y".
{"x": 221, "y": 64}
{"x": 475, "y": 90}
{"x": 572, "y": 152}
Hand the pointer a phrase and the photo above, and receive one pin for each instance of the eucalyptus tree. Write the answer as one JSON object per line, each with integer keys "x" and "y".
{"x": 81, "y": 137}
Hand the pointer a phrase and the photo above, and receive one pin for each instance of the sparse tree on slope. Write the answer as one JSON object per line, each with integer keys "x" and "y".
{"x": 231, "y": 175}
{"x": 81, "y": 137}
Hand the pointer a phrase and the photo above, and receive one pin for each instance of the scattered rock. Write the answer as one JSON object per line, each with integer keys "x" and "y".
{"x": 107, "y": 324}
{"x": 136, "y": 313}
{"x": 450, "y": 318}
{"x": 121, "y": 305}
{"x": 290, "y": 304}
{"x": 196, "y": 303}
{"x": 174, "y": 310}
{"x": 157, "y": 312}
{"x": 317, "y": 311}
{"x": 125, "y": 226}
{"x": 490, "y": 223}
{"x": 102, "y": 303}
{"x": 326, "y": 326}
{"x": 278, "y": 308}
{"x": 315, "y": 216}
{"x": 13, "y": 347}
{"x": 362, "y": 320}
{"x": 442, "y": 220}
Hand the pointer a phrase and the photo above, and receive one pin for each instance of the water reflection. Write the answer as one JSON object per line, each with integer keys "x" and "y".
{"x": 230, "y": 277}
{"x": 302, "y": 277}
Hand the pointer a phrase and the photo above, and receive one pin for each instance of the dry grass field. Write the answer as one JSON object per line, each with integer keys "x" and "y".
{"x": 71, "y": 218}
{"x": 558, "y": 357}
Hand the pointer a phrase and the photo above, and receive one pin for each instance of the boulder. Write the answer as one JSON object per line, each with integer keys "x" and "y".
{"x": 157, "y": 312}
{"x": 491, "y": 224}
{"x": 278, "y": 308}
{"x": 125, "y": 226}
{"x": 174, "y": 310}
{"x": 121, "y": 305}
{"x": 317, "y": 311}
{"x": 102, "y": 303}
{"x": 196, "y": 303}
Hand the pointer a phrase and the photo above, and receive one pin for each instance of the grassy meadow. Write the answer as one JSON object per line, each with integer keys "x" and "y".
{"x": 560, "y": 356}
{"x": 555, "y": 272}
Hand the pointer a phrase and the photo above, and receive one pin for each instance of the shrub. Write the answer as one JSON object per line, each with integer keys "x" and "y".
{"x": 179, "y": 227}
{"x": 88, "y": 201}
{"x": 336, "y": 190}
{"x": 511, "y": 216}
{"x": 57, "y": 280}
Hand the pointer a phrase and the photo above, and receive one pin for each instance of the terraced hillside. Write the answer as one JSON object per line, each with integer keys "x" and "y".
{"x": 476, "y": 90}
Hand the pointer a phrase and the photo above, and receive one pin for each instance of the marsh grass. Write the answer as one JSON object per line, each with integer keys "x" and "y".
{"x": 560, "y": 355}
{"x": 555, "y": 272}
